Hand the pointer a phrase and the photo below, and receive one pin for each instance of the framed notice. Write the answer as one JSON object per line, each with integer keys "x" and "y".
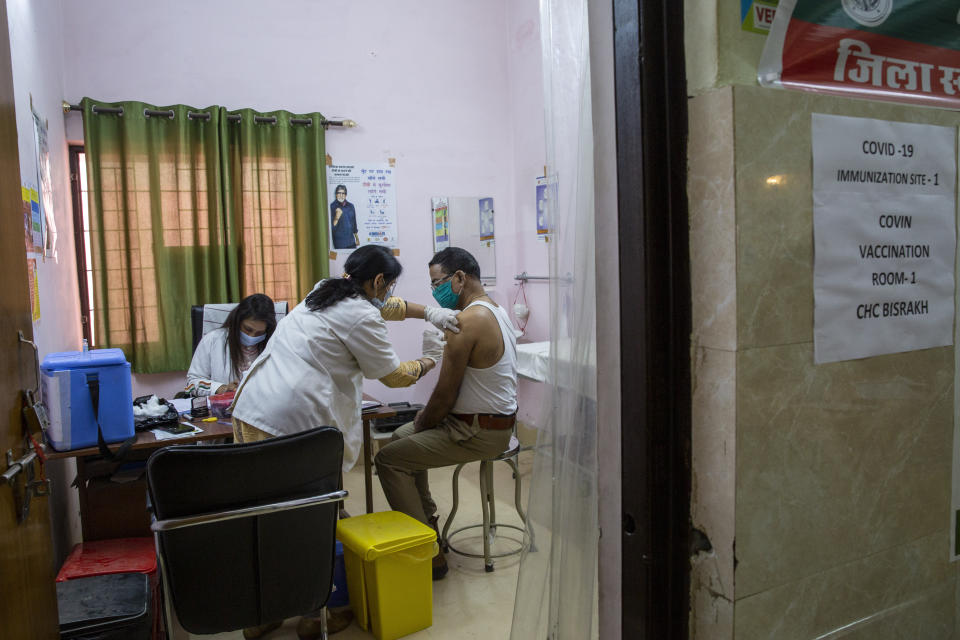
{"x": 884, "y": 209}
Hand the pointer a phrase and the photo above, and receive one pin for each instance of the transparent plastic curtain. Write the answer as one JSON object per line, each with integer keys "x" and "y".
{"x": 557, "y": 584}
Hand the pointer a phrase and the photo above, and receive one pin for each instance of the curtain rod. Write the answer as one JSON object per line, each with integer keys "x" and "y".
{"x": 201, "y": 115}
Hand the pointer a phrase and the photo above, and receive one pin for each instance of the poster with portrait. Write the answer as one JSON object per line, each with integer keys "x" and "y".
{"x": 363, "y": 206}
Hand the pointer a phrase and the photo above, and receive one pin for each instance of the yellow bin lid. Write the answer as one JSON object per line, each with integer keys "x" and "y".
{"x": 375, "y": 534}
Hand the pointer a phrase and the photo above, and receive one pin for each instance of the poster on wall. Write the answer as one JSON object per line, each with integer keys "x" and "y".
{"x": 884, "y": 210}
{"x": 906, "y": 51}
{"x": 32, "y": 220}
{"x": 42, "y": 151}
{"x": 757, "y": 15}
{"x": 546, "y": 193}
{"x": 440, "y": 208}
{"x": 363, "y": 207}
{"x": 34, "y": 284}
{"x": 486, "y": 221}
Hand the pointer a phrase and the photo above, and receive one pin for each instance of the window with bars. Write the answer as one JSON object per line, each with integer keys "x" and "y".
{"x": 267, "y": 233}
{"x": 267, "y": 255}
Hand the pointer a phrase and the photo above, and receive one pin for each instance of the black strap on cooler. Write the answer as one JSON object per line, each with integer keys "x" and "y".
{"x": 93, "y": 385}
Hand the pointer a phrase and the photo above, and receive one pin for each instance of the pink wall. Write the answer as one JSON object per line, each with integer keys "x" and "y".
{"x": 36, "y": 37}
{"x": 451, "y": 89}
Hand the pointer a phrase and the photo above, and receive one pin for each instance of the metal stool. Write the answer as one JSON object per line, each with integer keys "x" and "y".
{"x": 488, "y": 506}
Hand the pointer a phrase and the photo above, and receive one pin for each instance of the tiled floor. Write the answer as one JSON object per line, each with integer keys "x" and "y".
{"x": 469, "y": 603}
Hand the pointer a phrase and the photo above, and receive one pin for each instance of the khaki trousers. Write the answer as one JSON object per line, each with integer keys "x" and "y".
{"x": 402, "y": 464}
{"x": 243, "y": 432}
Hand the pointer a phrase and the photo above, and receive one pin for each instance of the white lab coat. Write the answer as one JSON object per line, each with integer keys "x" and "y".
{"x": 311, "y": 373}
{"x": 210, "y": 367}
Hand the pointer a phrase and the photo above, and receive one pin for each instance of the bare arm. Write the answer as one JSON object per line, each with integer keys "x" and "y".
{"x": 456, "y": 355}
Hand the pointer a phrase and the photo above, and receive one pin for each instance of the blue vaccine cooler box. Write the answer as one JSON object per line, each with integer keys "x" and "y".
{"x": 68, "y": 379}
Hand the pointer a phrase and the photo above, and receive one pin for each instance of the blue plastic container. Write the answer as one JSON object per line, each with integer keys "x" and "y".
{"x": 339, "y": 596}
{"x": 66, "y": 378}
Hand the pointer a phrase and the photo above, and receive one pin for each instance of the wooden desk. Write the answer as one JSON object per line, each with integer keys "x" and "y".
{"x": 128, "y": 516}
{"x": 119, "y": 510}
{"x": 366, "y": 417}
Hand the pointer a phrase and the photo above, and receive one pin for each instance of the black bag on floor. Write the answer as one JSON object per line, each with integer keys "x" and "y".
{"x": 109, "y": 607}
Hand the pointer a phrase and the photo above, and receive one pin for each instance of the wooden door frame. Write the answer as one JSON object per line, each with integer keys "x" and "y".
{"x": 28, "y": 600}
{"x": 651, "y": 118}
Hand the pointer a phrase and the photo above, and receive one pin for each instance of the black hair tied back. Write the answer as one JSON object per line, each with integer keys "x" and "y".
{"x": 363, "y": 265}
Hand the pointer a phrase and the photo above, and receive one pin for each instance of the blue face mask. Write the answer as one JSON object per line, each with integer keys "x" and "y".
{"x": 377, "y": 302}
{"x": 445, "y": 296}
{"x": 249, "y": 341}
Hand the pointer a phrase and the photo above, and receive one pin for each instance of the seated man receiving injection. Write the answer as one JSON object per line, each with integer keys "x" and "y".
{"x": 471, "y": 412}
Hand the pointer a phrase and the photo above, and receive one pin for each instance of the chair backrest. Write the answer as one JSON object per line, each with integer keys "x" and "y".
{"x": 204, "y": 318}
{"x": 250, "y": 570}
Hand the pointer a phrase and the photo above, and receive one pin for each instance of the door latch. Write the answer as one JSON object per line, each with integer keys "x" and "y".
{"x": 31, "y": 486}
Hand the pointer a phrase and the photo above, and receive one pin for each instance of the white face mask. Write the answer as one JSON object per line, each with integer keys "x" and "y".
{"x": 249, "y": 341}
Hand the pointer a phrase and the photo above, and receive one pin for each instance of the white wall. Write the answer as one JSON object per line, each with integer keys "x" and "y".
{"x": 36, "y": 37}
{"x": 450, "y": 88}
{"x": 517, "y": 245}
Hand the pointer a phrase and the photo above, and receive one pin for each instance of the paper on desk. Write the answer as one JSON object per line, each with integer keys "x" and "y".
{"x": 160, "y": 434}
{"x": 370, "y": 404}
{"x": 182, "y": 404}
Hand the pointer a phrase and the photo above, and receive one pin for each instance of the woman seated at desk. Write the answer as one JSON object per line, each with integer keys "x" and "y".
{"x": 224, "y": 354}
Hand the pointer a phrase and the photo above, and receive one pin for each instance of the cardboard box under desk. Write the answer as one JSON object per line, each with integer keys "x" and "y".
{"x": 115, "y": 510}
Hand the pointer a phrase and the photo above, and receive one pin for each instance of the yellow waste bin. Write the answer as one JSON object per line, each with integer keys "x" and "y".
{"x": 389, "y": 577}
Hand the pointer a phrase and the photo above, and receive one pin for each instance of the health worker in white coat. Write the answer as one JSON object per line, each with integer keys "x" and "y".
{"x": 311, "y": 373}
{"x": 224, "y": 354}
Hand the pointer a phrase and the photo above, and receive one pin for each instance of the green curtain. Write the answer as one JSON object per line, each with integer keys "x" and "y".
{"x": 268, "y": 168}
{"x": 190, "y": 210}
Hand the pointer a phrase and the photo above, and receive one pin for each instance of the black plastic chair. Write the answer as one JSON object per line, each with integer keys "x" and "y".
{"x": 245, "y": 533}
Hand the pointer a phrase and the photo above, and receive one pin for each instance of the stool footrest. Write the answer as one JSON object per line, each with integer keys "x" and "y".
{"x": 523, "y": 543}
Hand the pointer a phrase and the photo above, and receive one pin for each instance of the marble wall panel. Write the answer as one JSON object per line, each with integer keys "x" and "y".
{"x": 775, "y": 221}
{"x": 836, "y": 462}
{"x": 710, "y": 192}
{"x": 713, "y": 445}
{"x": 905, "y": 592}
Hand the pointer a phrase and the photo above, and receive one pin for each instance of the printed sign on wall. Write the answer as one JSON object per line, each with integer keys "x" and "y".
{"x": 486, "y": 220}
{"x": 905, "y": 51}
{"x": 547, "y": 190}
{"x": 363, "y": 205}
{"x": 441, "y": 223}
{"x": 884, "y": 236}
{"x": 757, "y": 15}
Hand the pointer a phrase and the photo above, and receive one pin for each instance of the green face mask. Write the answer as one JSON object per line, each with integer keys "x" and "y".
{"x": 445, "y": 296}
